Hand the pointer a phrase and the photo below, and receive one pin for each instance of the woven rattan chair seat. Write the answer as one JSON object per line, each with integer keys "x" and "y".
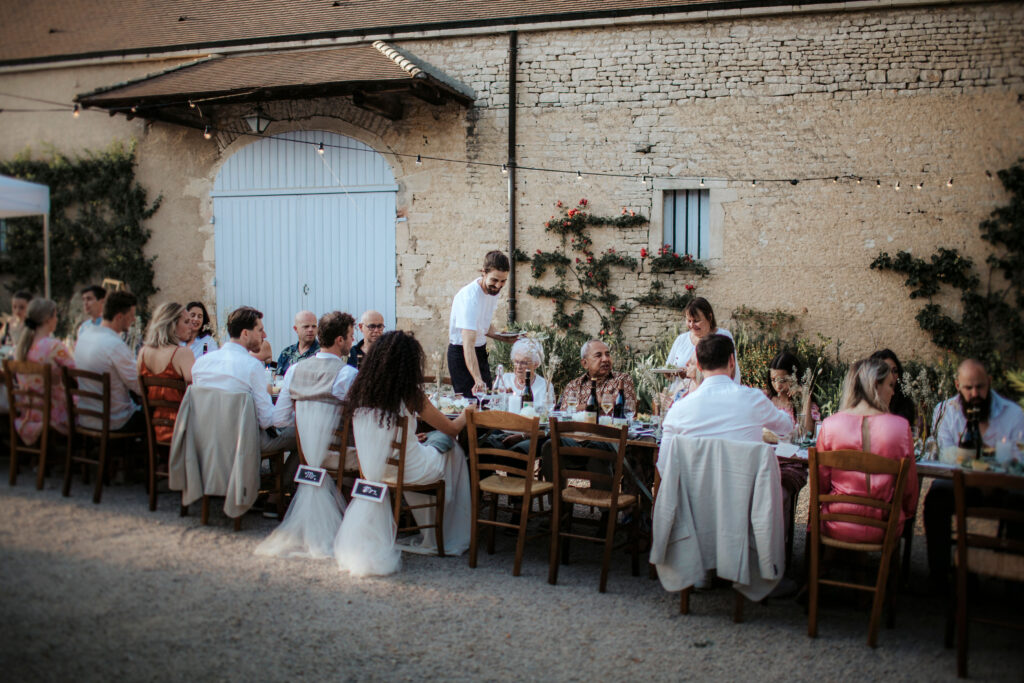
{"x": 513, "y": 486}
{"x": 595, "y": 497}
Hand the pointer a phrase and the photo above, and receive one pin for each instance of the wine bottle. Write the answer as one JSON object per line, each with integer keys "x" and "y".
{"x": 970, "y": 443}
{"x": 591, "y": 408}
{"x": 619, "y": 410}
{"x": 528, "y": 391}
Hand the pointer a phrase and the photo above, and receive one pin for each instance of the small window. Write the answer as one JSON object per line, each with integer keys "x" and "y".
{"x": 3, "y": 236}
{"x": 686, "y": 221}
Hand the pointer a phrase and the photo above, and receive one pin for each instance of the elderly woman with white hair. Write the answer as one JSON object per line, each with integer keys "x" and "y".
{"x": 527, "y": 355}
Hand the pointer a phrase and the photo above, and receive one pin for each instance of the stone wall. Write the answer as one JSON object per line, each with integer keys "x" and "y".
{"x": 910, "y": 95}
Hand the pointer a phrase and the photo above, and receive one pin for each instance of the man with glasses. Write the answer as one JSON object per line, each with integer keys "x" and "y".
{"x": 371, "y": 326}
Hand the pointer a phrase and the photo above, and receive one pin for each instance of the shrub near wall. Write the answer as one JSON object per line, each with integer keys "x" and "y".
{"x": 97, "y": 211}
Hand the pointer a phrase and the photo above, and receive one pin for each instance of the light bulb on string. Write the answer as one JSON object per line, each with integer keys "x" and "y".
{"x": 835, "y": 179}
{"x": 702, "y": 182}
{"x": 643, "y": 181}
{"x": 897, "y": 186}
{"x": 859, "y": 179}
{"x": 135, "y": 108}
{"x": 949, "y": 183}
{"x": 206, "y": 133}
{"x": 191, "y": 104}
{"x": 320, "y": 149}
{"x": 419, "y": 160}
{"x": 76, "y": 111}
{"x": 753, "y": 183}
{"x": 579, "y": 177}
{"x": 918, "y": 186}
{"x": 504, "y": 169}
{"x": 988, "y": 174}
{"x": 878, "y": 184}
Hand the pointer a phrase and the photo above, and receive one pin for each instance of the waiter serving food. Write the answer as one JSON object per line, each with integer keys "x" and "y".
{"x": 470, "y": 325}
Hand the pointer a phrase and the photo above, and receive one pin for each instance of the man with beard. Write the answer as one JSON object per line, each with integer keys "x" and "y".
{"x": 232, "y": 368}
{"x": 999, "y": 419}
{"x": 470, "y": 325}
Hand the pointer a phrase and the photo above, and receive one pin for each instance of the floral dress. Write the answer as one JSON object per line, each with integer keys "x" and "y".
{"x": 30, "y": 424}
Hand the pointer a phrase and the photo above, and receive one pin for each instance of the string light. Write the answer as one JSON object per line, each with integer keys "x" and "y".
{"x": 206, "y": 133}
{"x": 988, "y": 174}
{"x": 753, "y": 183}
{"x": 191, "y": 104}
{"x": 919, "y": 186}
{"x": 135, "y": 108}
{"x": 794, "y": 181}
{"x": 320, "y": 149}
{"x": 504, "y": 169}
{"x": 579, "y": 177}
{"x": 859, "y": 179}
{"x": 643, "y": 180}
{"x": 949, "y": 183}
{"x": 897, "y": 186}
{"x": 75, "y": 112}
{"x": 835, "y": 180}
{"x": 702, "y": 182}
{"x": 419, "y": 160}
{"x": 878, "y": 184}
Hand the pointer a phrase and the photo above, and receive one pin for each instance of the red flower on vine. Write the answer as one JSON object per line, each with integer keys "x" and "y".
{"x": 632, "y": 213}
{"x": 538, "y": 251}
{"x": 689, "y": 258}
{"x": 675, "y": 255}
{"x": 602, "y": 333}
{"x": 590, "y": 259}
{"x": 623, "y": 211}
{"x": 643, "y": 252}
{"x": 612, "y": 309}
{"x": 583, "y": 202}
{"x": 689, "y": 288}
{"x": 559, "y": 204}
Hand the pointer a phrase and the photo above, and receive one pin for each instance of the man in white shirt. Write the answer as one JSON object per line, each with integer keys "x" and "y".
{"x": 1000, "y": 421}
{"x": 720, "y": 408}
{"x": 470, "y": 325}
{"x": 93, "y": 297}
{"x": 102, "y": 350}
{"x": 335, "y": 333}
{"x": 231, "y": 368}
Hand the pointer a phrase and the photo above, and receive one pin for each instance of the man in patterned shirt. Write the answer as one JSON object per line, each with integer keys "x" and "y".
{"x": 306, "y": 347}
{"x": 596, "y": 359}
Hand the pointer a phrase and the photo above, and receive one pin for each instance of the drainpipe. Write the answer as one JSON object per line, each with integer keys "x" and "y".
{"x": 513, "y": 58}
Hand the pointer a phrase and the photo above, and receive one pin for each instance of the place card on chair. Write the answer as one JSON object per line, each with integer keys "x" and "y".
{"x": 313, "y": 476}
{"x": 369, "y": 490}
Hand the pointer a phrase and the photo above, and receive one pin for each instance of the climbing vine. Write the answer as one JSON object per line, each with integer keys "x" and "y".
{"x": 584, "y": 278}
{"x": 97, "y": 210}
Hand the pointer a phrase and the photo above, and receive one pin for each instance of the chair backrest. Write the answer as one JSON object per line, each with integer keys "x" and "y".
{"x": 339, "y": 443}
{"x": 507, "y": 463}
{"x": 150, "y": 405}
{"x": 75, "y": 392}
{"x": 869, "y": 464}
{"x": 585, "y": 431}
{"x": 25, "y": 395}
{"x": 985, "y": 548}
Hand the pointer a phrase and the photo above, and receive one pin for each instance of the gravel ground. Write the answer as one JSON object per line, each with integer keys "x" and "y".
{"x": 113, "y": 591}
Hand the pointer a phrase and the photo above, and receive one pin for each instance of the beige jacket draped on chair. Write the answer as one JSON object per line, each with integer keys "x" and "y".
{"x": 215, "y": 450}
{"x": 719, "y": 507}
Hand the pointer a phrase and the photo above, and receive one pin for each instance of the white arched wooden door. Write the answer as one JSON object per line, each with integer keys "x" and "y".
{"x": 297, "y": 230}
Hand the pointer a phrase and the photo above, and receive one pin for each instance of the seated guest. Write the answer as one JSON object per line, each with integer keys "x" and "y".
{"x": 691, "y": 377}
{"x": 721, "y": 408}
{"x": 371, "y": 326}
{"x": 162, "y": 356}
{"x": 19, "y": 308}
{"x": 200, "y": 339}
{"x": 92, "y": 303}
{"x": 863, "y": 423}
{"x": 325, "y": 374}
{"x": 1000, "y": 420}
{"x": 900, "y": 405}
{"x": 527, "y": 355}
{"x": 387, "y": 387}
{"x": 784, "y": 374}
{"x": 264, "y": 354}
{"x": 305, "y": 327}
{"x": 103, "y": 350}
{"x": 232, "y": 368}
{"x": 700, "y": 322}
{"x": 37, "y": 345}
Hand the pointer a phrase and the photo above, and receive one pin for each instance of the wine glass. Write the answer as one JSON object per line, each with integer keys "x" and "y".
{"x": 607, "y": 403}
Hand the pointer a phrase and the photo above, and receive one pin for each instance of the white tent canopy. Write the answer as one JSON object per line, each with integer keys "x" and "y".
{"x": 22, "y": 198}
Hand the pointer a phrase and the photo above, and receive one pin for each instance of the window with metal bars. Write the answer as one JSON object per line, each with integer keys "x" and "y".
{"x": 686, "y": 221}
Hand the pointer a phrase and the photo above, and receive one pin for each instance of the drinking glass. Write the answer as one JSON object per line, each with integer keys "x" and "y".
{"x": 607, "y": 403}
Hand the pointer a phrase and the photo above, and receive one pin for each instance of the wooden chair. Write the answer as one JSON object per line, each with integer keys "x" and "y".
{"x": 339, "y": 445}
{"x": 394, "y": 477}
{"x": 869, "y": 464}
{"x": 604, "y": 492}
{"x": 74, "y": 393}
{"x": 507, "y": 478}
{"x": 21, "y": 399}
{"x": 982, "y": 547}
{"x": 149, "y": 407}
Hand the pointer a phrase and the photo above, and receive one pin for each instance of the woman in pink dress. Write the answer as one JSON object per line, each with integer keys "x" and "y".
{"x": 865, "y": 424}
{"x": 37, "y": 344}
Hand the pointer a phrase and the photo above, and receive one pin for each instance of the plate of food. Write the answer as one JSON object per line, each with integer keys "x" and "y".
{"x": 667, "y": 371}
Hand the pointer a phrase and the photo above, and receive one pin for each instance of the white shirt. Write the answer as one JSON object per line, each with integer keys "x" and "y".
{"x": 683, "y": 349}
{"x": 472, "y": 309}
{"x": 1005, "y": 421}
{"x": 284, "y": 409}
{"x": 197, "y": 345}
{"x": 722, "y": 409}
{"x": 89, "y": 325}
{"x": 231, "y": 368}
{"x": 539, "y": 386}
{"x": 101, "y": 350}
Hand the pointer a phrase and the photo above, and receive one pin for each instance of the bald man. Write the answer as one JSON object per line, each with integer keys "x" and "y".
{"x": 1000, "y": 420}
{"x": 371, "y": 326}
{"x": 306, "y": 347}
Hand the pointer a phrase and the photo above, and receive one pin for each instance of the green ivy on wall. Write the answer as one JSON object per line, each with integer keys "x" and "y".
{"x": 583, "y": 278}
{"x": 97, "y": 210}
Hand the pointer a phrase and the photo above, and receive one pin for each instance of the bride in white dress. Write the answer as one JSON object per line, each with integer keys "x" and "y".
{"x": 388, "y": 386}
